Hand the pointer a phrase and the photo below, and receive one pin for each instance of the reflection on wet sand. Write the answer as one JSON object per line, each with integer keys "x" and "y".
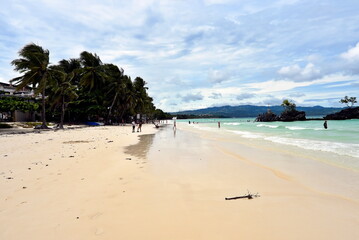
{"x": 140, "y": 149}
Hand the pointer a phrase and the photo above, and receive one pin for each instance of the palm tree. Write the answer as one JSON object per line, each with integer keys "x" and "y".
{"x": 92, "y": 74}
{"x": 92, "y": 78}
{"x": 127, "y": 99}
{"x": 72, "y": 68}
{"x": 34, "y": 65}
{"x": 63, "y": 89}
{"x": 143, "y": 101}
{"x": 115, "y": 85}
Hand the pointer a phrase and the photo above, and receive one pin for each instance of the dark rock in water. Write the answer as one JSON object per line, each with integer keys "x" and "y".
{"x": 267, "y": 117}
{"x": 348, "y": 113}
{"x": 285, "y": 116}
{"x": 293, "y": 115}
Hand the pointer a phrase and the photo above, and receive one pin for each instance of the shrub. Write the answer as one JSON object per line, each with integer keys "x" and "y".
{"x": 4, "y": 125}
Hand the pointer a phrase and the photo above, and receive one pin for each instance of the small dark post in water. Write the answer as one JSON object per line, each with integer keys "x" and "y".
{"x": 325, "y": 124}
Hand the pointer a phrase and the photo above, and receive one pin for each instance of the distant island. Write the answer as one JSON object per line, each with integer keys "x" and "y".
{"x": 251, "y": 111}
{"x": 291, "y": 113}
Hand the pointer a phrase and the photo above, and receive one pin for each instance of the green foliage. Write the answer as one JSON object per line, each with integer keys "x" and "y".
{"x": 349, "y": 101}
{"x": 85, "y": 88}
{"x": 288, "y": 105}
{"x": 34, "y": 65}
{"x": 92, "y": 74}
{"x": 159, "y": 114}
{"x": 4, "y": 125}
{"x": 9, "y": 104}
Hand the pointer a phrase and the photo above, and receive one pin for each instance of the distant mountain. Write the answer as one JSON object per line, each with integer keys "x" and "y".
{"x": 253, "y": 111}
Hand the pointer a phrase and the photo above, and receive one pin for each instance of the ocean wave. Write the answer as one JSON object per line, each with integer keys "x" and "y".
{"x": 348, "y": 149}
{"x": 205, "y": 128}
{"x": 247, "y": 134}
{"x": 268, "y": 126}
{"x": 233, "y": 124}
{"x": 296, "y": 128}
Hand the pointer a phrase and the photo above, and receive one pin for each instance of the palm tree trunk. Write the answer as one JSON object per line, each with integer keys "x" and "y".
{"x": 113, "y": 103}
{"x": 122, "y": 112}
{"x": 43, "y": 113}
{"x": 62, "y": 113}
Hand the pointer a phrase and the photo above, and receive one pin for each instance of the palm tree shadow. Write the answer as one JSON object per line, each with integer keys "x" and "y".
{"x": 141, "y": 148}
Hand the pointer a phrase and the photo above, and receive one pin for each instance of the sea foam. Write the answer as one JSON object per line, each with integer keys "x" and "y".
{"x": 233, "y": 124}
{"x": 268, "y": 126}
{"x": 247, "y": 134}
{"x": 348, "y": 149}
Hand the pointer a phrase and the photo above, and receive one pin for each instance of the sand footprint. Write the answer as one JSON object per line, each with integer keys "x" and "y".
{"x": 99, "y": 231}
{"x": 95, "y": 215}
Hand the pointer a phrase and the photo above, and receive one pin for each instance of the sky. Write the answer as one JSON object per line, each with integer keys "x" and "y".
{"x": 201, "y": 53}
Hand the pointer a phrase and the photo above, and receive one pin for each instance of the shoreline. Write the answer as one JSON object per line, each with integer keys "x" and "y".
{"x": 165, "y": 184}
{"x": 335, "y": 145}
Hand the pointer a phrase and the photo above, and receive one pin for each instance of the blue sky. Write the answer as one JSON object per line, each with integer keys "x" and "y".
{"x": 201, "y": 53}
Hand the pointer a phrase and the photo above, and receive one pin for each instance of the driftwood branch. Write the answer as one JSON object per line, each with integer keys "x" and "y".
{"x": 248, "y": 196}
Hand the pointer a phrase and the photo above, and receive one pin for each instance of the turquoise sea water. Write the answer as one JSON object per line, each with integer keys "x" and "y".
{"x": 340, "y": 140}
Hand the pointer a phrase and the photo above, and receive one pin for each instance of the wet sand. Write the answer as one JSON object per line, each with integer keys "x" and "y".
{"x": 106, "y": 183}
{"x": 191, "y": 173}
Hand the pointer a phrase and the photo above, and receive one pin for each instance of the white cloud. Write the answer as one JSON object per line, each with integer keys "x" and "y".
{"x": 216, "y": 76}
{"x": 352, "y": 54}
{"x": 215, "y": 96}
{"x": 297, "y": 95}
{"x": 272, "y": 86}
{"x": 213, "y": 2}
{"x": 244, "y": 96}
{"x": 187, "y": 47}
{"x": 296, "y": 73}
{"x": 192, "y": 97}
{"x": 272, "y": 101}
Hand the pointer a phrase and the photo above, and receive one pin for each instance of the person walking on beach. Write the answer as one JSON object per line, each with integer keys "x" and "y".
{"x": 219, "y": 124}
{"x": 325, "y": 124}
{"x": 133, "y": 126}
{"x": 139, "y": 128}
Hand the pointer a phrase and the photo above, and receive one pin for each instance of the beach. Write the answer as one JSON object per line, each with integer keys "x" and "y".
{"x": 109, "y": 183}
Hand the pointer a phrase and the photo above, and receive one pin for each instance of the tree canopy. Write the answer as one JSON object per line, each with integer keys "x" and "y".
{"x": 349, "y": 101}
{"x": 34, "y": 65}
{"x": 288, "y": 105}
{"x": 85, "y": 88}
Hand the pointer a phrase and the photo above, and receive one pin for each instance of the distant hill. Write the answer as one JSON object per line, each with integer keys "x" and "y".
{"x": 253, "y": 111}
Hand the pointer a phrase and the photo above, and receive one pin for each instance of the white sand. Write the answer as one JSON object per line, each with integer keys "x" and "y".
{"x": 177, "y": 191}
{"x": 62, "y": 181}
